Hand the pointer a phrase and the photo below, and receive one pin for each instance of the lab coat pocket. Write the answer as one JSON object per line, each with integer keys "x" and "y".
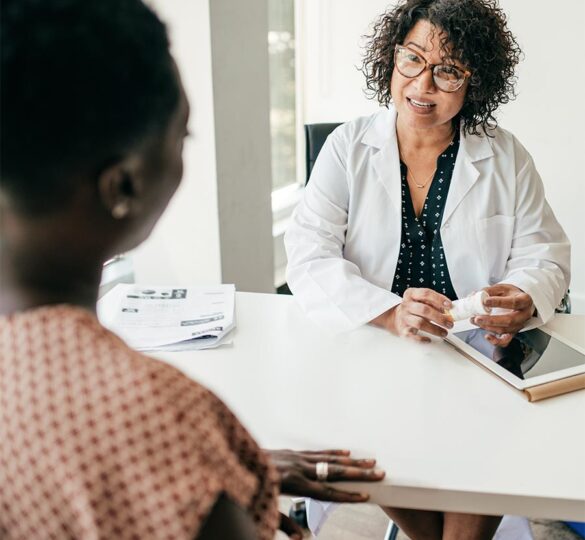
{"x": 495, "y": 242}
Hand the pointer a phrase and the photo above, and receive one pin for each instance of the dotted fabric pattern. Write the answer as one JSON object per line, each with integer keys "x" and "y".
{"x": 421, "y": 260}
{"x": 98, "y": 441}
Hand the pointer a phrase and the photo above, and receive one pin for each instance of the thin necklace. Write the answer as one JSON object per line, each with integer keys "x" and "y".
{"x": 420, "y": 186}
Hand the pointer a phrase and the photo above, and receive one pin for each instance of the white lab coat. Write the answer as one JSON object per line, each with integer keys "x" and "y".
{"x": 344, "y": 238}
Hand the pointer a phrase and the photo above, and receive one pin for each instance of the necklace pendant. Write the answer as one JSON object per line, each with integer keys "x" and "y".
{"x": 420, "y": 186}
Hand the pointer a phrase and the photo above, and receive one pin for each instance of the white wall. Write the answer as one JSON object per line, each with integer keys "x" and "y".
{"x": 184, "y": 247}
{"x": 547, "y": 116}
{"x": 218, "y": 227}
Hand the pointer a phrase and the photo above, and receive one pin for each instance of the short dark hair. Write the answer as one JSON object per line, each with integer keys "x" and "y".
{"x": 83, "y": 83}
{"x": 478, "y": 33}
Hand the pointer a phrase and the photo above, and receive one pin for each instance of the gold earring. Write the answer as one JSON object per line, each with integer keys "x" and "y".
{"x": 120, "y": 210}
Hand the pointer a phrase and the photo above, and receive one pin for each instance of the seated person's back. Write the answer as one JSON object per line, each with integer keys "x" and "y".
{"x": 101, "y": 441}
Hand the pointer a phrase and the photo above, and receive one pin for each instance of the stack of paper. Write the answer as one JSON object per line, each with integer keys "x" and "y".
{"x": 169, "y": 318}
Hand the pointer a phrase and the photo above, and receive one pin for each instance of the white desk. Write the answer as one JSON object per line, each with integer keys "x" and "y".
{"x": 450, "y": 435}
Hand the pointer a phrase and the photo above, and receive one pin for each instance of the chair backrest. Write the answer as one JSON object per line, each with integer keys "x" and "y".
{"x": 565, "y": 305}
{"x": 315, "y": 135}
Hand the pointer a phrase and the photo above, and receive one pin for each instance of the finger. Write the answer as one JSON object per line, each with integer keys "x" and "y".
{"x": 323, "y": 492}
{"x": 516, "y": 301}
{"x": 341, "y": 472}
{"x": 429, "y": 313}
{"x": 514, "y": 319}
{"x": 493, "y": 321}
{"x": 418, "y": 324}
{"x": 412, "y": 333}
{"x": 513, "y": 325}
{"x": 290, "y": 527}
{"x": 500, "y": 340}
{"x": 363, "y": 463}
{"x": 433, "y": 329}
{"x": 334, "y": 452}
{"x": 498, "y": 290}
{"x": 428, "y": 296}
{"x": 337, "y": 472}
{"x": 498, "y": 330}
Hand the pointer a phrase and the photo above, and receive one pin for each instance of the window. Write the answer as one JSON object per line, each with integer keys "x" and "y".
{"x": 281, "y": 54}
{"x": 287, "y": 181}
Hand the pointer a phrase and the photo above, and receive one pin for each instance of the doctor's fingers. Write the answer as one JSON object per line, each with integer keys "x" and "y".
{"x": 410, "y": 332}
{"x": 413, "y": 326}
{"x": 427, "y": 296}
{"x": 507, "y": 322}
{"x": 500, "y": 340}
{"x": 500, "y": 331}
{"x": 429, "y": 313}
{"x": 517, "y": 301}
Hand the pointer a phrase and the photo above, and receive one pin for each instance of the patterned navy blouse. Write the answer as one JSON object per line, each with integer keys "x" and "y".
{"x": 421, "y": 262}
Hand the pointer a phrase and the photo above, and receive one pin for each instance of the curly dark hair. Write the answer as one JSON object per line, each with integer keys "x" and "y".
{"x": 84, "y": 82}
{"x": 475, "y": 33}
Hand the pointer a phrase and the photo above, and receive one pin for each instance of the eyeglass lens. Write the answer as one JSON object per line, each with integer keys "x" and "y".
{"x": 447, "y": 78}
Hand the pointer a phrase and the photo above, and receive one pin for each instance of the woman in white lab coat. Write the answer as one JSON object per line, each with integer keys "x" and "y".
{"x": 496, "y": 229}
{"x": 428, "y": 200}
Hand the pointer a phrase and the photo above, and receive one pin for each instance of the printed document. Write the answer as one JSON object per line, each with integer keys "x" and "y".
{"x": 169, "y": 318}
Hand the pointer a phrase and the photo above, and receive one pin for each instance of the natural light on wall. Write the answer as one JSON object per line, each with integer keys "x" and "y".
{"x": 283, "y": 122}
{"x": 281, "y": 51}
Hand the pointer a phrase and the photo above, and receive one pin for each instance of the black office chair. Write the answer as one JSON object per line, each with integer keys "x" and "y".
{"x": 315, "y": 136}
{"x": 565, "y": 305}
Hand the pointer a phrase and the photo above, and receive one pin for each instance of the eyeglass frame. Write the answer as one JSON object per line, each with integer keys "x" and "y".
{"x": 466, "y": 73}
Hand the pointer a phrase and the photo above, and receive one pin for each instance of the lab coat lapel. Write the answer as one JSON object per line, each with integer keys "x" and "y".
{"x": 472, "y": 148}
{"x": 386, "y": 161}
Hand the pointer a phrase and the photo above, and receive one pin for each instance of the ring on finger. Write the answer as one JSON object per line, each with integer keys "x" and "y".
{"x": 322, "y": 470}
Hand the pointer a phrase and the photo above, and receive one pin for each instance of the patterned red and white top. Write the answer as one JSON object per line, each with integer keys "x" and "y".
{"x": 98, "y": 441}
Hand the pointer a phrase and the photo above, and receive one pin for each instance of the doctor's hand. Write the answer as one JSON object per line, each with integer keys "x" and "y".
{"x": 304, "y": 473}
{"x": 502, "y": 326}
{"x": 421, "y": 310}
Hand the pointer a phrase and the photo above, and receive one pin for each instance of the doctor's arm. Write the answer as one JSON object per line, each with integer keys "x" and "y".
{"x": 538, "y": 267}
{"x": 329, "y": 288}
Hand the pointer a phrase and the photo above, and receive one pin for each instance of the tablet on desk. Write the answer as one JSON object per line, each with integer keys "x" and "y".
{"x": 534, "y": 358}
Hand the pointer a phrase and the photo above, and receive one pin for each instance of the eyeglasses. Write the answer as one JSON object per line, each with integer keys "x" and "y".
{"x": 410, "y": 64}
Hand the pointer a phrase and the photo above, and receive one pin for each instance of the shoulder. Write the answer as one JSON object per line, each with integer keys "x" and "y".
{"x": 152, "y": 391}
{"x": 374, "y": 126}
{"x": 505, "y": 142}
{"x": 499, "y": 144}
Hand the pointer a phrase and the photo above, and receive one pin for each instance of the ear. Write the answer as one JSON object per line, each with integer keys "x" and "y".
{"x": 119, "y": 187}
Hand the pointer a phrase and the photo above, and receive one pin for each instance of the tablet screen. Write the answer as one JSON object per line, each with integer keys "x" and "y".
{"x": 528, "y": 355}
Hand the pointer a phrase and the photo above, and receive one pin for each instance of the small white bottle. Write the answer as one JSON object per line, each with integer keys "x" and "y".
{"x": 468, "y": 307}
